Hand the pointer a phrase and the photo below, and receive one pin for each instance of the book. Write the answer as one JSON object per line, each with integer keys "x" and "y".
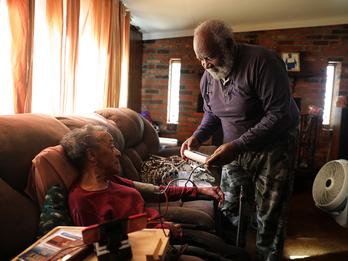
{"x": 61, "y": 243}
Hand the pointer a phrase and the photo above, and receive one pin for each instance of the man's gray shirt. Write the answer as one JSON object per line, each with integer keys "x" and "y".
{"x": 255, "y": 107}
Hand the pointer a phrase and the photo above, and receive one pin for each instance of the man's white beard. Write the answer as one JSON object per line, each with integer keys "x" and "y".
{"x": 221, "y": 72}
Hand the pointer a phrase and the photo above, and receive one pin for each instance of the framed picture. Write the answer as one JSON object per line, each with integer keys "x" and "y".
{"x": 292, "y": 61}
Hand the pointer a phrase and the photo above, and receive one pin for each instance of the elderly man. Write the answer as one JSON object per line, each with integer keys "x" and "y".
{"x": 246, "y": 92}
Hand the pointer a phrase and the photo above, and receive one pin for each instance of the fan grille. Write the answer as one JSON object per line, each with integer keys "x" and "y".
{"x": 328, "y": 184}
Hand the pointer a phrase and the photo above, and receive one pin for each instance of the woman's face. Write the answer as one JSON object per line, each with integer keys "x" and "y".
{"x": 107, "y": 156}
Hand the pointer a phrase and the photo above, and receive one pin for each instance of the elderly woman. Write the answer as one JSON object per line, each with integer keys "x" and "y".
{"x": 100, "y": 194}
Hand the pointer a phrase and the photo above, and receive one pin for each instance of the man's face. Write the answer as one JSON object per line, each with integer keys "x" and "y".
{"x": 107, "y": 155}
{"x": 218, "y": 62}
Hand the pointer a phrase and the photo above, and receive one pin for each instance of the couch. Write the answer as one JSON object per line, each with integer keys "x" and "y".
{"x": 23, "y": 136}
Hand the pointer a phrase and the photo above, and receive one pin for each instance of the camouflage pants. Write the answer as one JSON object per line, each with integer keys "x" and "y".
{"x": 267, "y": 179}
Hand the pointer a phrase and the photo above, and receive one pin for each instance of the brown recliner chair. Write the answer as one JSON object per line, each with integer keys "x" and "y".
{"x": 141, "y": 141}
{"x": 23, "y": 136}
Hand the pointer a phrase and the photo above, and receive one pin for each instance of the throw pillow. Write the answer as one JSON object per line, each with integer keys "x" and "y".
{"x": 54, "y": 211}
{"x": 50, "y": 167}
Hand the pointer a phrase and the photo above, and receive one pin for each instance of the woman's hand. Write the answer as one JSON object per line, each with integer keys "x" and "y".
{"x": 214, "y": 192}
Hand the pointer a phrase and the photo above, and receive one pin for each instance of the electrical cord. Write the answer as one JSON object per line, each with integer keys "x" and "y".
{"x": 163, "y": 192}
{"x": 187, "y": 179}
{"x": 161, "y": 216}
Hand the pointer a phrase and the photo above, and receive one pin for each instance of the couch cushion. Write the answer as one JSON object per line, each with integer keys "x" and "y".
{"x": 150, "y": 137}
{"x": 134, "y": 127}
{"x": 22, "y": 136}
{"x": 190, "y": 215}
{"x": 141, "y": 139}
{"x": 206, "y": 206}
{"x": 128, "y": 169}
{"x": 78, "y": 121}
{"x": 50, "y": 167}
{"x": 18, "y": 219}
{"x": 128, "y": 121}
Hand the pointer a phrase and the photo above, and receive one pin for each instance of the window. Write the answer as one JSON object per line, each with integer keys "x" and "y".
{"x": 173, "y": 91}
{"x": 50, "y": 77}
{"x": 330, "y": 91}
{"x": 62, "y": 56}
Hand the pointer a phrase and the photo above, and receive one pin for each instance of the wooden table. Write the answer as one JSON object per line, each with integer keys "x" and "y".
{"x": 146, "y": 244}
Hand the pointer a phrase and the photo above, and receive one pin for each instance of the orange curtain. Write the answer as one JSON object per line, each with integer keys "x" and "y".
{"x": 20, "y": 17}
{"x": 92, "y": 64}
{"x": 47, "y": 56}
{"x": 125, "y": 60}
{"x": 70, "y": 55}
{"x": 66, "y": 55}
{"x": 118, "y": 50}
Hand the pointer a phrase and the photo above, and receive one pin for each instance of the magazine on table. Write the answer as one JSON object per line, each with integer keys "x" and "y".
{"x": 61, "y": 244}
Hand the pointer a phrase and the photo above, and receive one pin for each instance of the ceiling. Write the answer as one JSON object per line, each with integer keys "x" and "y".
{"x": 167, "y": 19}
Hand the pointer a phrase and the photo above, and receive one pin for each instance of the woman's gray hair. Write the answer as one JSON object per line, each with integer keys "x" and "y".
{"x": 77, "y": 141}
{"x": 221, "y": 32}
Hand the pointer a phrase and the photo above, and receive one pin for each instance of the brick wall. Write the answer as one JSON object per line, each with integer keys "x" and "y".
{"x": 156, "y": 56}
{"x": 317, "y": 46}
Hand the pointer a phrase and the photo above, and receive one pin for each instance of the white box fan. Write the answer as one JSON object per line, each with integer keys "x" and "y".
{"x": 330, "y": 190}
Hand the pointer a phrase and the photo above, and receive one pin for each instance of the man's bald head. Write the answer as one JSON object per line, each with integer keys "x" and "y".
{"x": 213, "y": 44}
{"x": 213, "y": 32}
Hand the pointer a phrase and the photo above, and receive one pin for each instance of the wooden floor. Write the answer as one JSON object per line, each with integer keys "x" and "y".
{"x": 312, "y": 235}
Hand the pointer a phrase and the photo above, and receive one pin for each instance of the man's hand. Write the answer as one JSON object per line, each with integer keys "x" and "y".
{"x": 191, "y": 143}
{"x": 223, "y": 155}
{"x": 214, "y": 192}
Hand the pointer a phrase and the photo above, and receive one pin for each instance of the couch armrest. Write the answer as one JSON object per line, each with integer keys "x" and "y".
{"x": 147, "y": 191}
{"x": 196, "y": 214}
